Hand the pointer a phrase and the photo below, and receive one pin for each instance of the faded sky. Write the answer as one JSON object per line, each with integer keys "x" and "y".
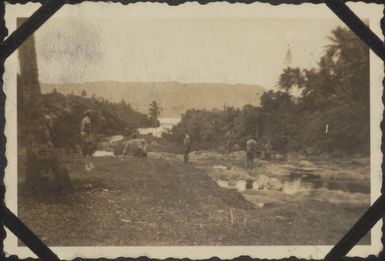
{"x": 225, "y": 48}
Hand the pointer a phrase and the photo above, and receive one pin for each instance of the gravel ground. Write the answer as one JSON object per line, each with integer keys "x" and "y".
{"x": 160, "y": 201}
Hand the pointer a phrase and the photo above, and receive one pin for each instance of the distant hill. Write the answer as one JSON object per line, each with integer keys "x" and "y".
{"x": 173, "y": 97}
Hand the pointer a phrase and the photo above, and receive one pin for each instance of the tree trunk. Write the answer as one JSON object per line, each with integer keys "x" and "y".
{"x": 43, "y": 167}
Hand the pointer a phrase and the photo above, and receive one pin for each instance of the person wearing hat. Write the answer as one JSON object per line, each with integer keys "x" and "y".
{"x": 251, "y": 147}
{"x": 187, "y": 148}
{"x": 87, "y": 140}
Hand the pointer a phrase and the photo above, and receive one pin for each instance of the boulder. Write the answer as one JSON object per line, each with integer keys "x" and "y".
{"x": 265, "y": 182}
{"x": 305, "y": 163}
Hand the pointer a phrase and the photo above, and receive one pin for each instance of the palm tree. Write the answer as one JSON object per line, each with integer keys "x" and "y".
{"x": 291, "y": 78}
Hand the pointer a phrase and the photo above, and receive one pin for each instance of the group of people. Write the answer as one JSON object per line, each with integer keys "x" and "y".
{"x": 88, "y": 144}
{"x": 251, "y": 149}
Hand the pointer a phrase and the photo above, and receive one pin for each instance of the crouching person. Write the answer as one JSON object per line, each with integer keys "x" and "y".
{"x": 134, "y": 147}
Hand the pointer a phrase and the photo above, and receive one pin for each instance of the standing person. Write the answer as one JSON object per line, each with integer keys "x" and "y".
{"x": 87, "y": 140}
{"x": 251, "y": 147}
{"x": 187, "y": 147}
{"x": 229, "y": 139}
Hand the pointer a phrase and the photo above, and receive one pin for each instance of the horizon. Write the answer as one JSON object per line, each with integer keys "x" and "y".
{"x": 145, "y": 82}
{"x": 165, "y": 94}
{"x": 230, "y": 50}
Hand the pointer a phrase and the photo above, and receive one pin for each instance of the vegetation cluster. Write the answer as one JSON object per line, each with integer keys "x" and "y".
{"x": 318, "y": 110}
{"x": 66, "y": 112}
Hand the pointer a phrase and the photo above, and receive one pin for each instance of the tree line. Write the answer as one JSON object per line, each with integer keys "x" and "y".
{"x": 316, "y": 110}
{"x": 108, "y": 118}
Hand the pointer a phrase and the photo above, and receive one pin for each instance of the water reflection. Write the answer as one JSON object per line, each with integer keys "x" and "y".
{"x": 103, "y": 153}
{"x": 240, "y": 185}
{"x": 292, "y": 185}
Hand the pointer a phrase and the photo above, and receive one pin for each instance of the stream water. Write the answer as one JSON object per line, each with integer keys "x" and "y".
{"x": 166, "y": 124}
{"x": 292, "y": 185}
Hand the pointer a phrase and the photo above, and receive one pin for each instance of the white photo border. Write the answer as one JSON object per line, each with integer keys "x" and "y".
{"x": 373, "y": 11}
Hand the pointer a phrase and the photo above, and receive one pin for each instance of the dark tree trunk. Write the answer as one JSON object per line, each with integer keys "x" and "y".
{"x": 43, "y": 167}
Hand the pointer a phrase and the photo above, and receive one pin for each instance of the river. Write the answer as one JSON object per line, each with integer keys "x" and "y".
{"x": 166, "y": 124}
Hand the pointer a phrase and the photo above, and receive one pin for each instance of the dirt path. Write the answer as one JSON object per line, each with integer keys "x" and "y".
{"x": 161, "y": 201}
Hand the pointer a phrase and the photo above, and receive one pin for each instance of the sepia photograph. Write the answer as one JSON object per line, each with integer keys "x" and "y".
{"x": 192, "y": 130}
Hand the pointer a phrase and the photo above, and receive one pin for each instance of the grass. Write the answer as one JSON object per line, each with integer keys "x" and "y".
{"x": 154, "y": 202}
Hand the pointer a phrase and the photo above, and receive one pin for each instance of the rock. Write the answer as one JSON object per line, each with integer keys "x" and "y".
{"x": 266, "y": 183}
{"x": 102, "y": 153}
{"x": 260, "y": 205}
{"x": 306, "y": 163}
{"x": 220, "y": 167}
{"x": 115, "y": 138}
{"x": 274, "y": 184}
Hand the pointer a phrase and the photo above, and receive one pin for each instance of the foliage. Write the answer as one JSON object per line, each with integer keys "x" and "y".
{"x": 342, "y": 75}
{"x": 272, "y": 101}
{"x": 291, "y": 78}
{"x": 107, "y": 118}
{"x": 334, "y": 94}
{"x": 154, "y": 112}
{"x": 207, "y": 129}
